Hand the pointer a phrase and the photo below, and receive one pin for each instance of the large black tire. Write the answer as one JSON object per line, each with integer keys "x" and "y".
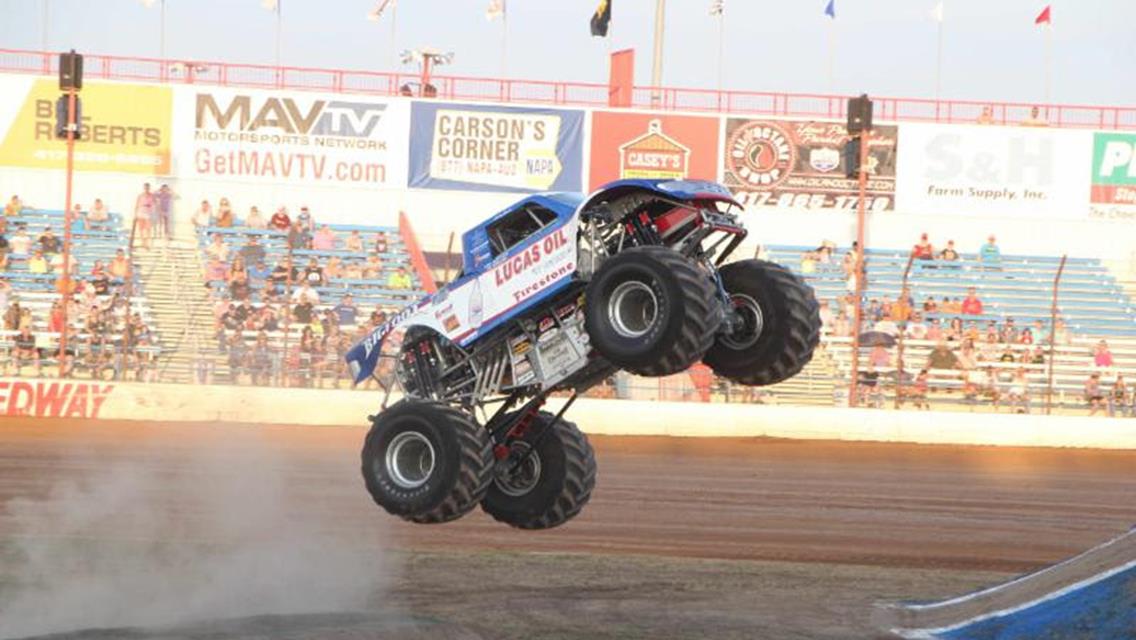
{"x": 551, "y": 485}
{"x": 426, "y": 461}
{"x": 788, "y": 325}
{"x": 651, "y": 311}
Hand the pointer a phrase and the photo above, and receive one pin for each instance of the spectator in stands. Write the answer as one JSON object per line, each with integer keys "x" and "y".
{"x": 254, "y": 219}
{"x": 902, "y": 308}
{"x": 145, "y": 206}
{"x": 298, "y": 237}
{"x": 258, "y": 274}
{"x": 929, "y": 305}
{"x": 941, "y": 357}
{"x": 49, "y": 243}
{"x": 37, "y": 263}
{"x": 399, "y": 279}
{"x": 1119, "y": 398}
{"x": 377, "y": 317}
{"x": 1061, "y": 333}
{"x": 100, "y": 279}
{"x": 98, "y": 217}
{"x": 260, "y": 360}
{"x": 934, "y": 331}
{"x": 916, "y": 328}
{"x": 989, "y": 386}
{"x": 826, "y": 318}
{"x": 1026, "y": 336}
{"x": 949, "y": 254}
{"x": 971, "y": 305}
{"x": 305, "y": 293}
{"x": 281, "y": 277}
{"x": 215, "y": 271}
{"x": 918, "y": 391}
{"x": 1037, "y": 356}
{"x": 1094, "y": 396}
{"x": 842, "y": 325}
{"x": 333, "y": 270}
{"x": 238, "y": 357}
{"x": 990, "y": 255}
{"x": 119, "y": 265}
{"x": 21, "y": 242}
{"x": 252, "y": 251}
{"x": 313, "y": 274}
{"x": 381, "y": 246}
{"x": 163, "y": 220}
{"x": 203, "y": 217}
{"x": 923, "y": 249}
{"x": 879, "y": 356}
{"x": 987, "y": 115}
{"x": 225, "y": 218}
{"x": 305, "y": 220}
{"x": 346, "y": 311}
{"x": 353, "y": 271}
{"x": 1035, "y": 118}
{"x": 1102, "y": 356}
{"x": 238, "y": 282}
{"x": 324, "y": 239}
{"x": 354, "y": 241}
{"x": 5, "y": 249}
{"x": 1018, "y": 393}
{"x": 26, "y": 350}
{"x": 217, "y": 248}
{"x": 14, "y": 206}
{"x": 808, "y": 263}
{"x": 280, "y": 220}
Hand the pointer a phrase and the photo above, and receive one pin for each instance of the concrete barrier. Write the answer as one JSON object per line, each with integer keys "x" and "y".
{"x": 260, "y": 405}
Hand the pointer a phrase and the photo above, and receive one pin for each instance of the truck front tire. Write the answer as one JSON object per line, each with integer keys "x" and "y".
{"x": 427, "y": 462}
{"x": 778, "y": 325}
{"x": 651, "y": 311}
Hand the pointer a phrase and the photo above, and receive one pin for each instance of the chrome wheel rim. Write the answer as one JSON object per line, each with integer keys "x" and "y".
{"x": 751, "y": 322}
{"x": 410, "y": 460}
{"x": 633, "y": 309}
{"x": 525, "y": 478}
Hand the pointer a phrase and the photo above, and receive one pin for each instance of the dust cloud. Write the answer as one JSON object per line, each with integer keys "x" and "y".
{"x": 189, "y": 535}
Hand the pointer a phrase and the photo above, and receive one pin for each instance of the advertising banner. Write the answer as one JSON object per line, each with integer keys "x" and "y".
{"x": 799, "y": 165}
{"x": 122, "y": 127}
{"x": 293, "y": 137}
{"x": 993, "y": 171}
{"x": 647, "y": 145}
{"x": 1113, "y": 193}
{"x": 492, "y": 148}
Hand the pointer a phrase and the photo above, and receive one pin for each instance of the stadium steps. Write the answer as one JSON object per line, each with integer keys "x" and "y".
{"x": 180, "y": 306}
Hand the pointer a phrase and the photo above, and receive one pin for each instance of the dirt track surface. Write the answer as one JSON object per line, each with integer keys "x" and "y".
{"x": 683, "y": 538}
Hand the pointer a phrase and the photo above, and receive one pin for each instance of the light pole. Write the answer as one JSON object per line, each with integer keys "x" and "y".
{"x": 427, "y": 58}
{"x": 657, "y": 63}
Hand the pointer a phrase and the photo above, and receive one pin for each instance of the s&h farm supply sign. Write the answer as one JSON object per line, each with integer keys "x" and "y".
{"x": 305, "y": 138}
{"x": 491, "y": 148}
{"x": 1114, "y": 176}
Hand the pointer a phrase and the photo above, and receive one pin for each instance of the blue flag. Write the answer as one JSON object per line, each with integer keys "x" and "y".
{"x": 830, "y": 10}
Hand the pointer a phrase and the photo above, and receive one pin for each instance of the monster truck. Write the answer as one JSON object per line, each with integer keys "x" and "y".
{"x": 556, "y": 293}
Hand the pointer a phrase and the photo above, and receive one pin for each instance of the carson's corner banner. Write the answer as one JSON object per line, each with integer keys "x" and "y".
{"x": 295, "y": 137}
{"x": 122, "y": 127}
{"x": 493, "y": 148}
{"x": 652, "y": 145}
{"x": 798, "y": 164}
{"x": 994, "y": 171}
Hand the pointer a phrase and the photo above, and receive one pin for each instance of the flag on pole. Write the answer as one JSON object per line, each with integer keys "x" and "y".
{"x": 374, "y": 14}
{"x": 1045, "y": 17}
{"x": 601, "y": 18}
{"x": 830, "y": 10}
{"x": 937, "y": 12}
{"x": 717, "y": 7}
{"x": 496, "y": 9}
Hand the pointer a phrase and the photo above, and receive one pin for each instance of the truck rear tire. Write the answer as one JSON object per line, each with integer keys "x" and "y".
{"x": 551, "y": 485}
{"x": 651, "y": 311}
{"x": 779, "y": 328}
{"x": 426, "y": 461}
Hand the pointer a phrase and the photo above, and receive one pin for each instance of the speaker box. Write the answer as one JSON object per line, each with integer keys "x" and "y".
{"x": 859, "y": 114}
{"x": 70, "y": 71}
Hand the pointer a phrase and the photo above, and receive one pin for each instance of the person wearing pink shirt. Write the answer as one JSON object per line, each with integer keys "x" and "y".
{"x": 324, "y": 239}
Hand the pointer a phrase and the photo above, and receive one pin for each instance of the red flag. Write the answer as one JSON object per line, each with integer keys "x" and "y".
{"x": 1044, "y": 17}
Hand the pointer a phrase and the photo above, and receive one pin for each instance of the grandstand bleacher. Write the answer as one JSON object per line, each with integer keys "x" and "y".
{"x": 114, "y": 345}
